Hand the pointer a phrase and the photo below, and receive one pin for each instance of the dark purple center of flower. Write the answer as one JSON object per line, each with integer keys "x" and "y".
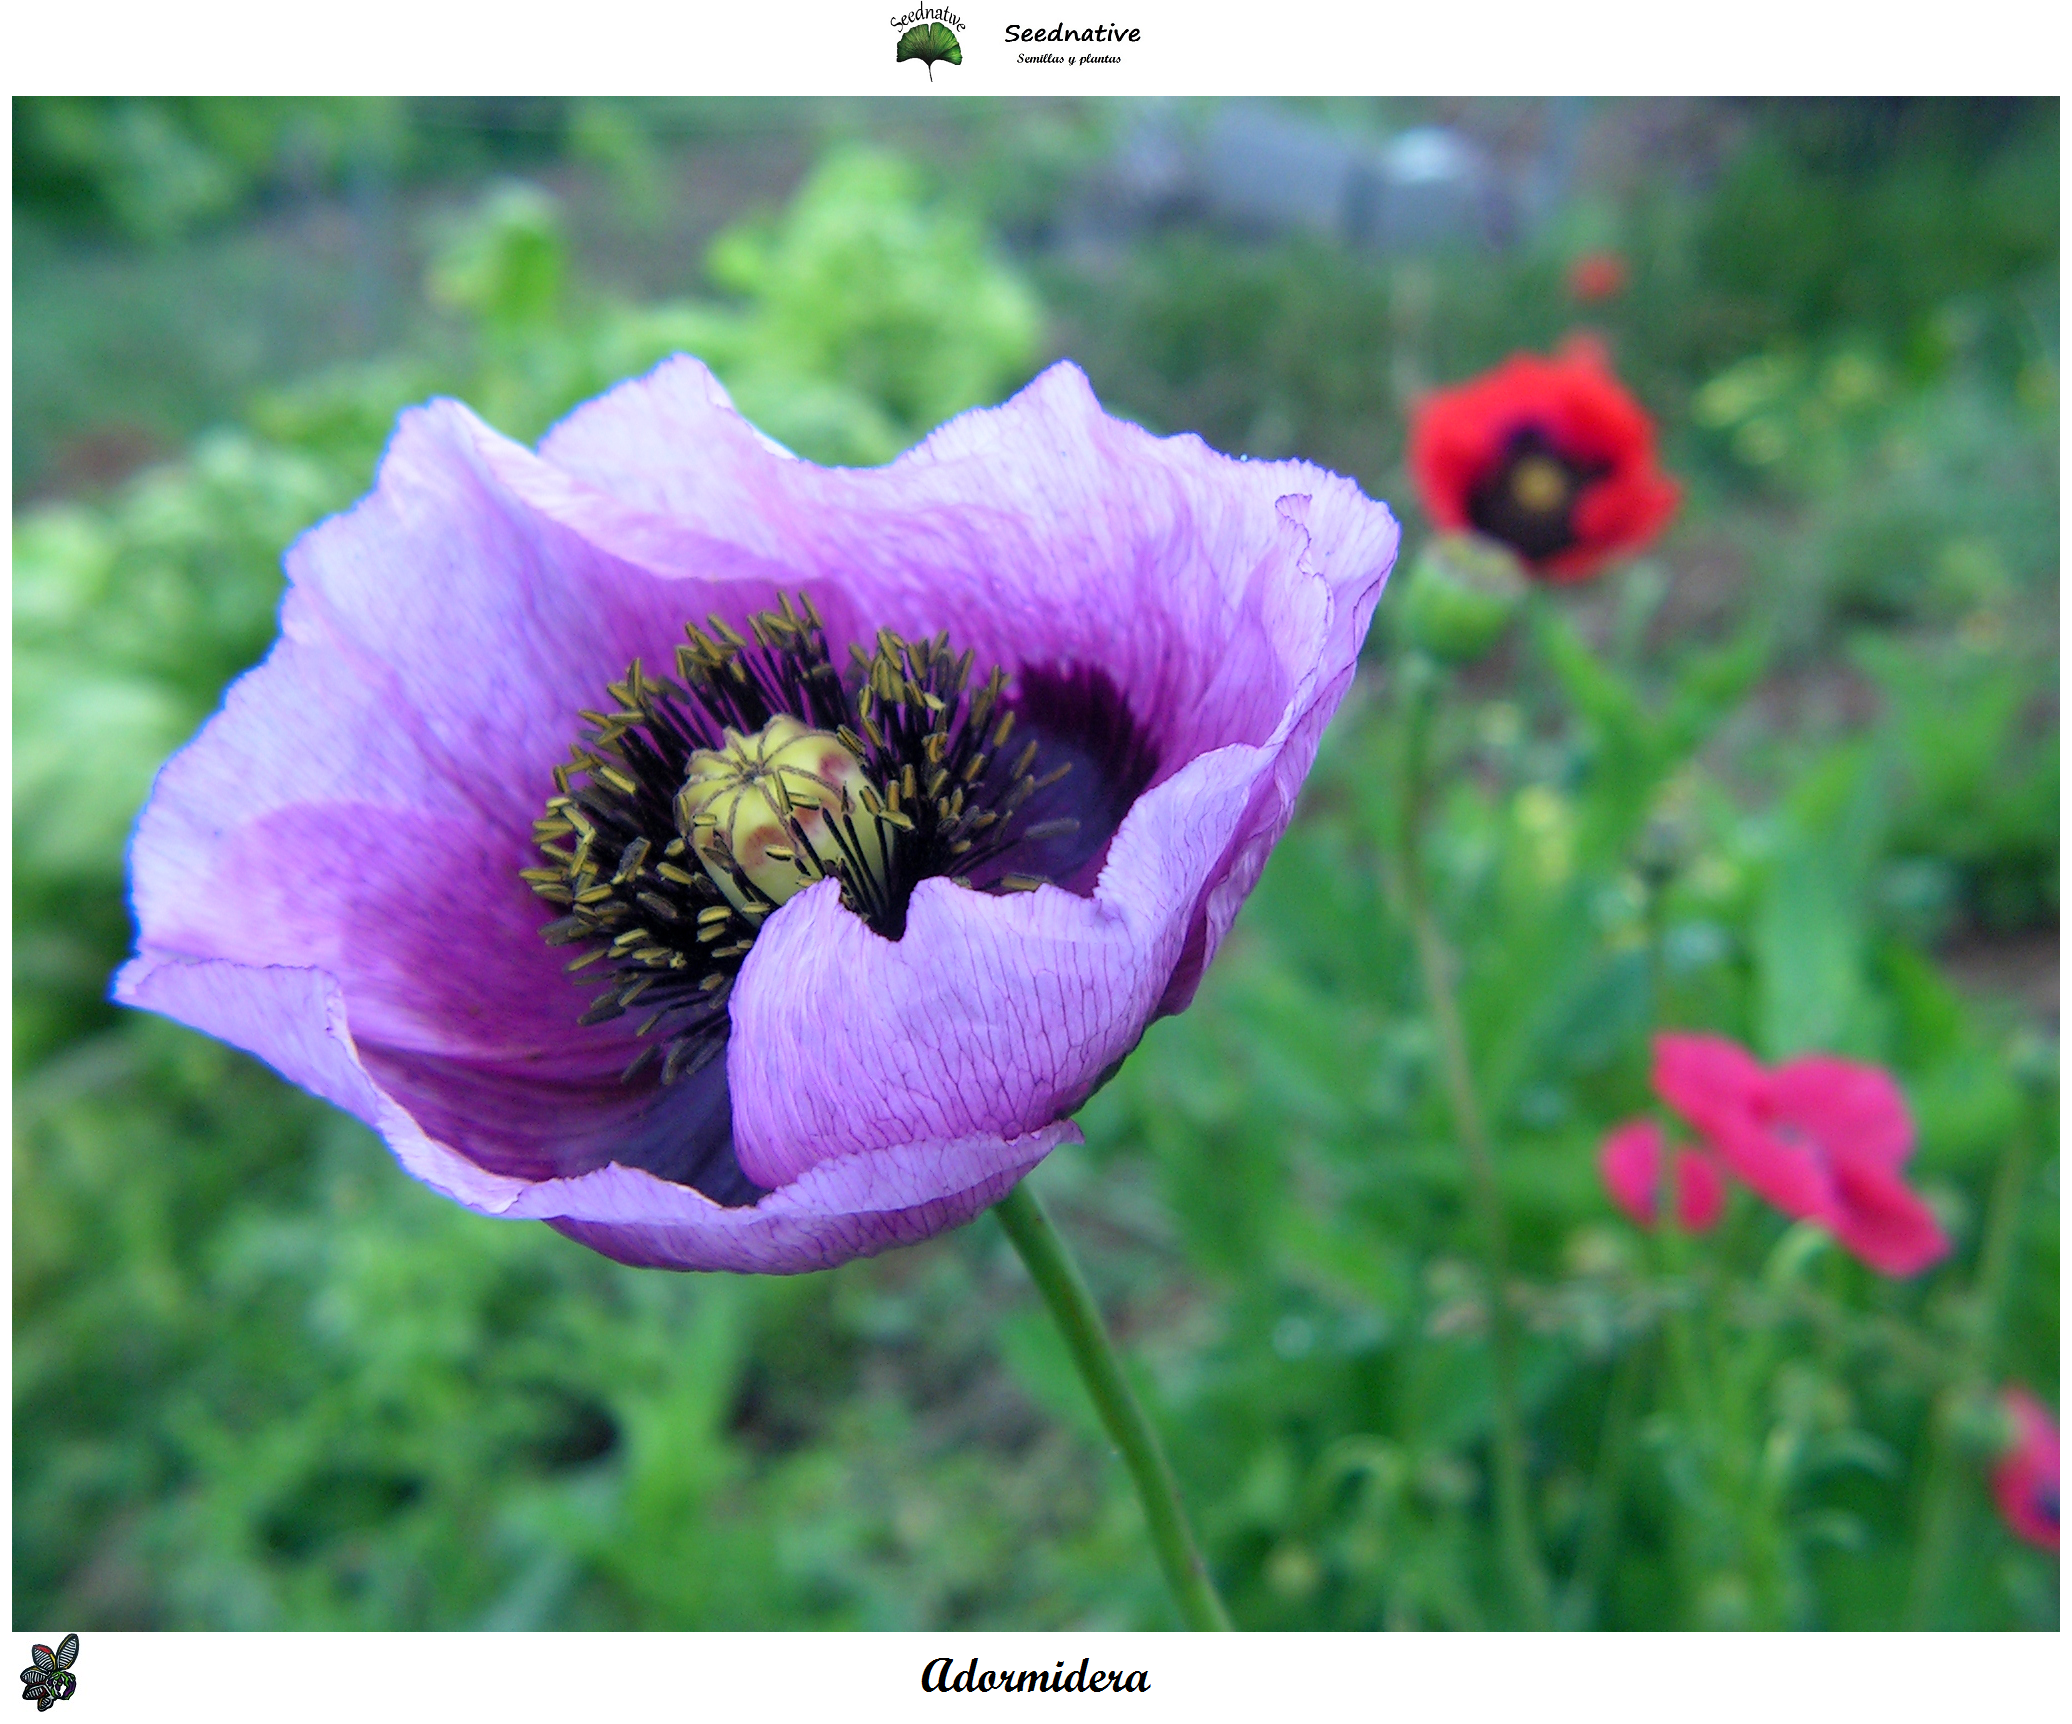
{"x": 998, "y": 788}
{"x": 2043, "y": 1501}
{"x": 1528, "y": 498}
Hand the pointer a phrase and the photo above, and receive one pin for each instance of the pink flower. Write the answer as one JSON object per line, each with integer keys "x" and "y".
{"x": 2025, "y": 1483}
{"x": 1631, "y": 1162}
{"x": 1821, "y": 1138}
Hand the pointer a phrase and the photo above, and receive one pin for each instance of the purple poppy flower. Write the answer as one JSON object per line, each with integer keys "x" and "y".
{"x": 881, "y": 809}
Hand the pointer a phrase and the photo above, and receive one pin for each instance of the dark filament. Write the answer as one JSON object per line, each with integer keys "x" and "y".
{"x": 956, "y": 787}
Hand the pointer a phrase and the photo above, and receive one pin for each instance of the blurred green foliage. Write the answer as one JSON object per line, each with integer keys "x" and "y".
{"x": 1879, "y": 216}
{"x": 856, "y": 284}
{"x": 155, "y": 169}
{"x": 264, "y": 1380}
{"x": 861, "y": 317}
{"x": 151, "y": 169}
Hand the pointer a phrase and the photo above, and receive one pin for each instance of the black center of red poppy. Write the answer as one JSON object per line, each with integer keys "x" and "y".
{"x": 694, "y": 806}
{"x": 1527, "y": 499}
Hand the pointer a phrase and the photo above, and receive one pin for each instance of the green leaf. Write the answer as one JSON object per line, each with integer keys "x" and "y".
{"x": 1812, "y": 926}
{"x": 929, "y": 43}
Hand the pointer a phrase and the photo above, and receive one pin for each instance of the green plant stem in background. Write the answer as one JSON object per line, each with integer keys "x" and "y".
{"x": 1939, "y": 1493}
{"x": 1753, "y": 1447}
{"x": 1693, "y": 1535}
{"x": 1071, "y": 1303}
{"x": 1600, "y": 1540}
{"x": 1421, "y": 682}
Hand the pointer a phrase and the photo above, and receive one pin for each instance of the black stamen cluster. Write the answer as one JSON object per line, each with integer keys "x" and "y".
{"x": 942, "y": 791}
{"x": 1497, "y": 507}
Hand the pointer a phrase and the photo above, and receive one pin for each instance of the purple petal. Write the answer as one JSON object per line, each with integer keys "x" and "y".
{"x": 1227, "y": 599}
{"x": 853, "y": 1207}
{"x": 1039, "y": 531}
{"x": 327, "y": 876}
{"x": 850, "y": 1207}
{"x": 1316, "y": 699}
{"x": 991, "y": 1015}
{"x": 363, "y": 802}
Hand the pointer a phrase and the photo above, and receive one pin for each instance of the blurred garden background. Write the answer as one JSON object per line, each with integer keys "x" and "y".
{"x": 1791, "y": 776}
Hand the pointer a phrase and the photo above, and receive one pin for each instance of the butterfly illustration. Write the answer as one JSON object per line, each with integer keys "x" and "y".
{"x": 50, "y": 1678}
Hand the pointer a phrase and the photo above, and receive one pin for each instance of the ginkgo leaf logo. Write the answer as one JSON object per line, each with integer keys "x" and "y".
{"x": 929, "y": 43}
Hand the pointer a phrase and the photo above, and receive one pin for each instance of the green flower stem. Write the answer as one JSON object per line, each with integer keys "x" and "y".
{"x": 1755, "y": 1456}
{"x": 1696, "y": 1390}
{"x": 1065, "y": 1291}
{"x": 1435, "y": 964}
{"x": 1600, "y": 1541}
{"x": 1940, "y": 1491}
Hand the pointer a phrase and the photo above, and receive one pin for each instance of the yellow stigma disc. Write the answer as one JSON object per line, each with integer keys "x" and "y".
{"x": 782, "y": 808}
{"x": 1539, "y": 485}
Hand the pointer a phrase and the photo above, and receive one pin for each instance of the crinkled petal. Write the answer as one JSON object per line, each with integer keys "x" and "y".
{"x": 1272, "y": 804}
{"x": 853, "y": 1206}
{"x": 328, "y": 874}
{"x": 363, "y": 802}
{"x": 992, "y": 1014}
{"x": 1039, "y": 531}
{"x": 849, "y": 1207}
{"x": 1227, "y": 599}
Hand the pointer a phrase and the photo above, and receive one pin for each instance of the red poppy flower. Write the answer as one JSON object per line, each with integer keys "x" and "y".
{"x": 1550, "y": 456}
{"x": 1821, "y": 1138}
{"x": 1631, "y": 1162}
{"x": 2025, "y": 1483}
{"x": 1596, "y": 276}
